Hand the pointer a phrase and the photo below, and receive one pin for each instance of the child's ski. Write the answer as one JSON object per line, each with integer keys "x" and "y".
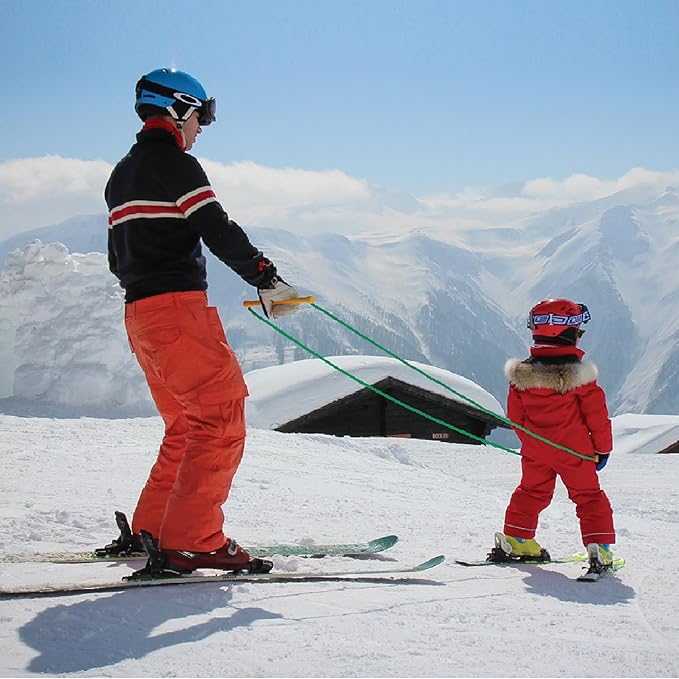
{"x": 578, "y": 557}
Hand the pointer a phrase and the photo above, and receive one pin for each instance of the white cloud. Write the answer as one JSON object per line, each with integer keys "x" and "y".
{"x": 42, "y": 191}
{"x": 247, "y": 181}
{"x": 265, "y": 196}
{"x": 485, "y": 208}
{"x": 46, "y": 190}
{"x": 582, "y": 187}
{"x": 22, "y": 180}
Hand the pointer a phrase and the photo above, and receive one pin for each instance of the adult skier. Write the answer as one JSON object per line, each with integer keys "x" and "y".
{"x": 161, "y": 206}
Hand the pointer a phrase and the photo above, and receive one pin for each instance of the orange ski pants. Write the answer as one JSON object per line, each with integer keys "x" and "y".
{"x": 198, "y": 388}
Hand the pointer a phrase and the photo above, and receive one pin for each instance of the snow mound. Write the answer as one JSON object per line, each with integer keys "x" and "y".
{"x": 62, "y": 331}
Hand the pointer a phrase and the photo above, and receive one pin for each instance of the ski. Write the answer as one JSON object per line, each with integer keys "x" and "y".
{"x": 573, "y": 558}
{"x": 517, "y": 562}
{"x": 500, "y": 555}
{"x": 312, "y": 550}
{"x": 390, "y": 574}
{"x": 127, "y": 548}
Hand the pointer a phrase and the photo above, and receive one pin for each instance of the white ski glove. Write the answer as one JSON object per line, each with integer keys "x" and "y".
{"x": 271, "y": 297}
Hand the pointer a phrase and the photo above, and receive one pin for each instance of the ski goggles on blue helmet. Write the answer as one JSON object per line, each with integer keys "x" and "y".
{"x": 176, "y": 93}
{"x": 207, "y": 112}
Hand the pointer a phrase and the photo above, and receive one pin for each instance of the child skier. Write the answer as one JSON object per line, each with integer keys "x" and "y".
{"x": 555, "y": 394}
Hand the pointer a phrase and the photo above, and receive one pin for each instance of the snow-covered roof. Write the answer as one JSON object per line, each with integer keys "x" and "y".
{"x": 644, "y": 433}
{"x": 282, "y": 393}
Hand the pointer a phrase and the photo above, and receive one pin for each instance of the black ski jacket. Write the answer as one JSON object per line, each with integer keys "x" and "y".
{"x": 160, "y": 205}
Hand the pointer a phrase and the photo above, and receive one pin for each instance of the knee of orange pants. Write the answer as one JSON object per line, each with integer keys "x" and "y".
{"x": 193, "y": 518}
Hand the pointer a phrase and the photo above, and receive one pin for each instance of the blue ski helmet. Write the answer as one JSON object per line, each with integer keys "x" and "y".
{"x": 175, "y": 93}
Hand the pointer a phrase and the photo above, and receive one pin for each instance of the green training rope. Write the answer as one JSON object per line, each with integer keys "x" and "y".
{"x": 449, "y": 388}
{"x": 389, "y": 397}
{"x": 424, "y": 374}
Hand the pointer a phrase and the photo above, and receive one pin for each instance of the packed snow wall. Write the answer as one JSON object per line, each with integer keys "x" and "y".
{"x": 62, "y": 336}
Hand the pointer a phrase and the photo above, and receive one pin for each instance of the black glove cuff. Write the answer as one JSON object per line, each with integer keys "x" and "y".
{"x": 272, "y": 283}
{"x": 265, "y": 275}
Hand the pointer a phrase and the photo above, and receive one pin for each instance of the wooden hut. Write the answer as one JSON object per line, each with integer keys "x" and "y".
{"x": 366, "y": 413}
{"x": 311, "y": 396}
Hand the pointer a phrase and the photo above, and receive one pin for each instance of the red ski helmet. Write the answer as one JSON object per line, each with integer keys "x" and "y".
{"x": 557, "y": 320}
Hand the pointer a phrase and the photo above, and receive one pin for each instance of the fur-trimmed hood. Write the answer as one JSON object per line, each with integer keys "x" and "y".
{"x": 561, "y": 377}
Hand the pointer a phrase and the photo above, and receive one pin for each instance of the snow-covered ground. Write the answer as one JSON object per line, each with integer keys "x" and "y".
{"x": 61, "y": 480}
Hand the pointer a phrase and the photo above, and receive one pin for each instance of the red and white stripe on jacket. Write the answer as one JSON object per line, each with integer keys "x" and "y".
{"x": 184, "y": 207}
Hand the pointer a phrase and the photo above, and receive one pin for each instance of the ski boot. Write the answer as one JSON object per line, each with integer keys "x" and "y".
{"x": 172, "y": 563}
{"x": 599, "y": 560}
{"x": 510, "y": 549}
{"x": 600, "y": 555}
{"x": 127, "y": 544}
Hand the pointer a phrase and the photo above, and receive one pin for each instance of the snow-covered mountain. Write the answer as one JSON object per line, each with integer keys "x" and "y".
{"x": 458, "y": 303}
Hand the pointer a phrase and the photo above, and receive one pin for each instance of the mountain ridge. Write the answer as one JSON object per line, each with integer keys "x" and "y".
{"x": 460, "y": 305}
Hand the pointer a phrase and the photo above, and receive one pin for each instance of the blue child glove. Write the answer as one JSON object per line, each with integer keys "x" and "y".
{"x": 601, "y": 460}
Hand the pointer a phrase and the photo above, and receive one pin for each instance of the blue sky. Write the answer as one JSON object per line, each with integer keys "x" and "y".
{"x": 421, "y": 97}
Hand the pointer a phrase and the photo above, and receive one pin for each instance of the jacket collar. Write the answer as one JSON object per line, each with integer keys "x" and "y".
{"x": 560, "y": 377}
{"x": 163, "y": 125}
{"x": 539, "y": 350}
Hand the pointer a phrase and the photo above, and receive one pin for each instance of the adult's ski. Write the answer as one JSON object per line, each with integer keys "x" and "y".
{"x": 389, "y": 574}
{"x": 311, "y": 550}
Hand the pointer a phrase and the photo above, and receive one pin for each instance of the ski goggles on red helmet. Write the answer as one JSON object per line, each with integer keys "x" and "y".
{"x": 565, "y": 321}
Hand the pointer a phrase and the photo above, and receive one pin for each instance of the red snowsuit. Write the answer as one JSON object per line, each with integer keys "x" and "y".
{"x": 563, "y": 403}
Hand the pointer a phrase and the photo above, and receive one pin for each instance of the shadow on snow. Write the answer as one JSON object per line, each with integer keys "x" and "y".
{"x": 610, "y": 590}
{"x": 107, "y": 630}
